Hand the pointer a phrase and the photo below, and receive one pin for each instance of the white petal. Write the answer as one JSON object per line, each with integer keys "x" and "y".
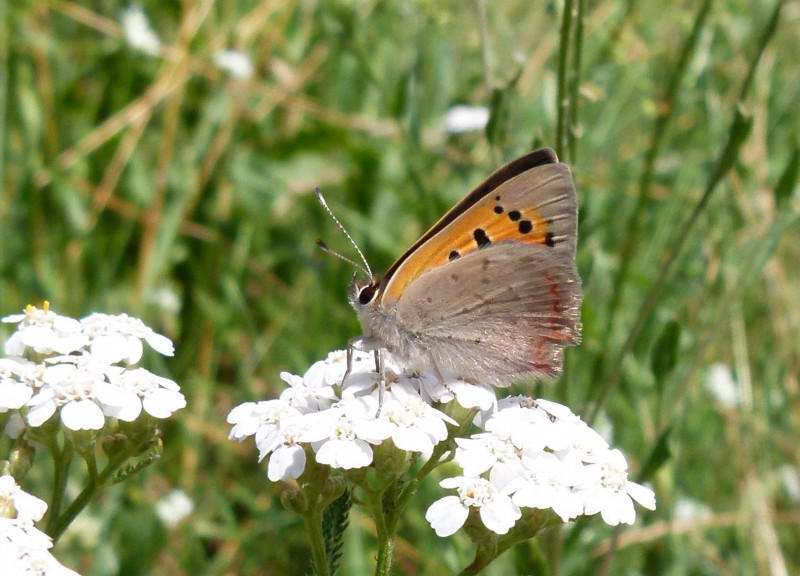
{"x": 13, "y": 394}
{"x": 41, "y": 413}
{"x": 162, "y": 403}
{"x": 82, "y": 415}
{"x": 412, "y": 439}
{"x": 447, "y": 515}
{"x": 345, "y": 454}
{"x": 500, "y": 515}
{"x": 110, "y": 348}
{"x": 641, "y": 494}
{"x": 472, "y": 396}
{"x": 286, "y": 462}
{"x": 160, "y": 344}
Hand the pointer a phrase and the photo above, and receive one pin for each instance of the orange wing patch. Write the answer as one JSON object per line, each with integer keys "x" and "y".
{"x": 489, "y": 221}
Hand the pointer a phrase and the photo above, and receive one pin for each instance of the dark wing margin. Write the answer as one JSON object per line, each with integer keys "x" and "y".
{"x": 539, "y": 157}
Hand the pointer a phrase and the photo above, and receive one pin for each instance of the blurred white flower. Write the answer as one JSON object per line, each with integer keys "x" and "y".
{"x": 722, "y": 386}
{"x": 466, "y": 119}
{"x": 138, "y": 33}
{"x": 791, "y": 481}
{"x": 235, "y": 63}
{"x": 689, "y": 510}
{"x": 174, "y": 507}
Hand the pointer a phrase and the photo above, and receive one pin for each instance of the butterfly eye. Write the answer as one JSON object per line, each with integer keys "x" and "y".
{"x": 367, "y": 293}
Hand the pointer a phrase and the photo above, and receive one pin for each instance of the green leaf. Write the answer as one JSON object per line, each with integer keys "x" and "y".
{"x": 497, "y": 127}
{"x": 658, "y": 457}
{"x": 788, "y": 179}
{"x": 665, "y": 352}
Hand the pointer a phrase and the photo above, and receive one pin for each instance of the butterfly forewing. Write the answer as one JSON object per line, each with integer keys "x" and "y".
{"x": 535, "y": 207}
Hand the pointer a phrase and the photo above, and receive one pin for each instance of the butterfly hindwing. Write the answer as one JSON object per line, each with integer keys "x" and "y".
{"x": 507, "y": 310}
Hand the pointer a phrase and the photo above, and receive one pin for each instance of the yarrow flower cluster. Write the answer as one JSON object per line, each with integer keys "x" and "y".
{"x": 25, "y": 549}
{"x": 530, "y": 453}
{"x": 536, "y": 454}
{"x": 81, "y": 369}
{"x": 339, "y": 425}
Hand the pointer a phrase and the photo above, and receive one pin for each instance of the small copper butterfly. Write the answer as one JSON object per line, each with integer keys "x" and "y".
{"x": 491, "y": 292}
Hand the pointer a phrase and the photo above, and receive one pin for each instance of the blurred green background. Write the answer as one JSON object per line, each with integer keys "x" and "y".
{"x": 166, "y": 187}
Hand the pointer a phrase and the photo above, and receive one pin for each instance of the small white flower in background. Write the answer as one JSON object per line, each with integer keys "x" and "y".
{"x": 722, "y": 386}
{"x": 138, "y": 33}
{"x": 84, "y": 382}
{"x": 235, "y": 63}
{"x": 174, "y": 507}
{"x": 24, "y": 549}
{"x": 791, "y": 481}
{"x": 466, "y": 119}
{"x": 689, "y": 510}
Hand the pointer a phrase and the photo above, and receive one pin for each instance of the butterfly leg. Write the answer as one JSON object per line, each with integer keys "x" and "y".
{"x": 381, "y": 378}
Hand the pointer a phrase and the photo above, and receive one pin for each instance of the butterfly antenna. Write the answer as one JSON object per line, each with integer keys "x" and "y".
{"x": 365, "y": 268}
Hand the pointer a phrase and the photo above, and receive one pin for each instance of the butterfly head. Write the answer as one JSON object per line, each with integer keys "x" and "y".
{"x": 365, "y": 291}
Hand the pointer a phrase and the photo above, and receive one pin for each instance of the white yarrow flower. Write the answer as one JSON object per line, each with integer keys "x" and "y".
{"x": 497, "y": 512}
{"x": 44, "y": 331}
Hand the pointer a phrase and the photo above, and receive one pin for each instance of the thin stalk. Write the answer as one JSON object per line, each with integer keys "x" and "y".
{"x": 667, "y": 109}
{"x": 563, "y": 103}
{"x": 739, "y": 130}
{"x": 385, "y": 534}
{"x": 574, "y": 130}
{"x": 62, "y": 462}
{"x": 60, "y": 522}
{"x": 486, "y": 48}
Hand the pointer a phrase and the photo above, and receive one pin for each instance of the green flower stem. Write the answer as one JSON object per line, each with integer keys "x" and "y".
{"x": 563, "y": 103}
{"x": 60, "y": 522}
{"x": 62, "y": 460}
{"x": 313, "y": 520}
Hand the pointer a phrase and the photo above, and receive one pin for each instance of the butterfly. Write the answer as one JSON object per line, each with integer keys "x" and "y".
{"x": 491, "y": 292}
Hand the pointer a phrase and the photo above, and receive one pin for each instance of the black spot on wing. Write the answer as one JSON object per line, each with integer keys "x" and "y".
{"x": 481, "y": 239}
